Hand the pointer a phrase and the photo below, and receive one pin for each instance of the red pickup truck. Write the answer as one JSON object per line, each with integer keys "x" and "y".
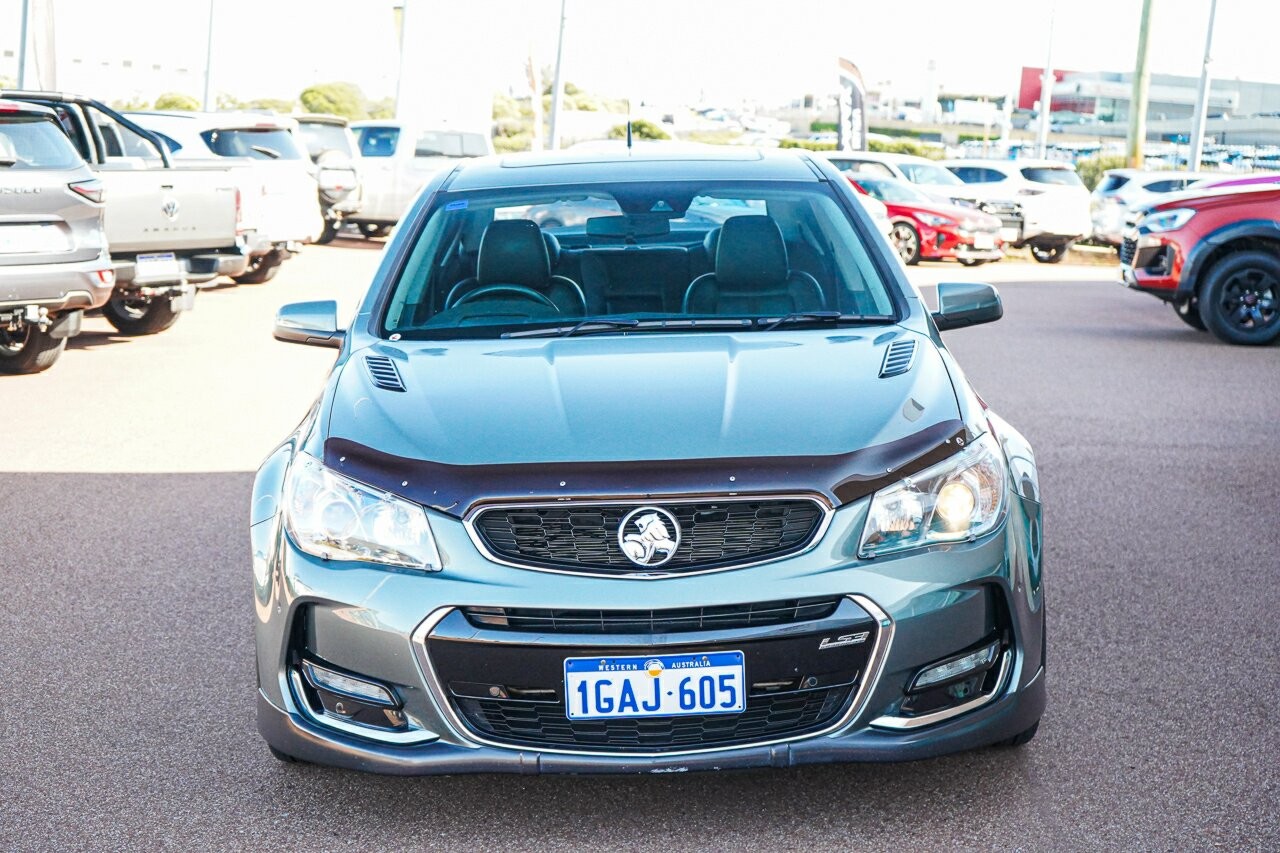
{"x": 1214, "y": 256}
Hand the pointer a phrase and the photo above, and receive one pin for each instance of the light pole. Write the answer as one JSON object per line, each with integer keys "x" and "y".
{"x": 1046, "y": 93}
{"x": 208, "y": 64}
{"x": 22, "y": 46}
{"x": 404, "y": 18}
{"x": 1141, "y": 90}
{"x": 1202, "y": 99}
{"x": 556, "y": 86}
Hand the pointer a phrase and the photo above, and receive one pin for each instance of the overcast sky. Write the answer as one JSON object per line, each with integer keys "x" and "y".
{"x": 663, "y": 50}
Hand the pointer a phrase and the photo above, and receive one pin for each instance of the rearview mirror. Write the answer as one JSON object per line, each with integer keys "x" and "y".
{"x": 313, "y": 323}
{"x": 961, "y": 305}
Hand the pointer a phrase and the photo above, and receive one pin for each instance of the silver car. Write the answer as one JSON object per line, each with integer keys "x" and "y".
{"x": 53, "y": 250}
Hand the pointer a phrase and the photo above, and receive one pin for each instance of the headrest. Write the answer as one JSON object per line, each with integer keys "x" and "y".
{"x": 751, "y": 253}
{"x": 710, "y": 242}
{"x": 512, "y": 251}
{"x": 553, "y": 248}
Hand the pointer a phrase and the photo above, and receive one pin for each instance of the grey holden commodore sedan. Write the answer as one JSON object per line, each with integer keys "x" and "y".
{"x": 657, "y": 491}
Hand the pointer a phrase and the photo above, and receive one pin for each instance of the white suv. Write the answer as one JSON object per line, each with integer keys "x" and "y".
{"x": 932, "y": 178}
{"x": 1053, "y": 200}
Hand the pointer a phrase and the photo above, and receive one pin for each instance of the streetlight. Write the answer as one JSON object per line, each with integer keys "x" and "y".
{"x": 1202, "y": 98}
{"x": 1046, "y": 93}
{"x": 22, "y": 46}
{"x": 555, "y": 92}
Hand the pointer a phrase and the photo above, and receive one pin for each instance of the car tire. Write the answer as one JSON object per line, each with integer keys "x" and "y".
{"x": 329, "y": 231}
{"x": 972, "y": 262}
{"x": 1188, "y": 311}
{"x": 134, "y": 317}
{"x": 1240, "y": 299}
{"x": 29, "y": 351}
{"x": 374, "y": 232}
{"x": 261, "y": 270}
{"x": 1021, "y": 738}
{"x": 1049, "y": 253}
{"x": 906, "y": 242}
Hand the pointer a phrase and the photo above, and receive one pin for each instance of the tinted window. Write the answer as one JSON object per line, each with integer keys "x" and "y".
{"x": 447, "y": 143}
{"x": 978, "y": 174}
{"x": 1111, "y": 183}
{"x": 1050, "y": 175}
{"x": 319, "y": 138}
{"x": 259, "y": 144}
{"x": 35, "y": 143}
{"x": 1167, "y": 185}
{"x": 928, "y": 173}
{"x": 378, "y": 141}
{"x": 891, "y": 190}
{"x": 638, "y": 247}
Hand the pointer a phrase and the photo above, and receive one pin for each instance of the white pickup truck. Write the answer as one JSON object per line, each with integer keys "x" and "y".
{"x": 279, "y": 193}
{"x": 169, "y": 228}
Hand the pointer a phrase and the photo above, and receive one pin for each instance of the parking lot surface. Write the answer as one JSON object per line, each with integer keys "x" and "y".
{"x": 127, "y": 709}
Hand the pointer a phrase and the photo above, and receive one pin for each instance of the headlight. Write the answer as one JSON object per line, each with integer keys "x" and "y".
{"x": 1167, "y": 220}
{"x": 935, "y": 221}
{"x": 330, "y": 516}
{"x": 963, "y": 202}
{"x": 957, "y": 499}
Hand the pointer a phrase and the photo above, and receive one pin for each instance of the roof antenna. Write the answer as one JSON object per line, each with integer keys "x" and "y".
{"x": 628, "y": 127}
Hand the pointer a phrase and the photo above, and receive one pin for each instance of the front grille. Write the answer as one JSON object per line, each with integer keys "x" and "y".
{"x": 544, "y": 724}
{"x": 1128, "y": 249}
{"x": 1009, "y": 213}
{"x": 726, "y": 617}
{"x": 713, "y": 534}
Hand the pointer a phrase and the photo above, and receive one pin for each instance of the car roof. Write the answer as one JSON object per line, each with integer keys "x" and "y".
{"x": 217, "y": 121}
{"x": 645, "y": 163}
{"x": 1144, "y": 174}
{"x": 1020, "y": 163}
{"x": 320, "y": 118}
{"x": 24, "y": 108}
{"x": 881, "y": 156}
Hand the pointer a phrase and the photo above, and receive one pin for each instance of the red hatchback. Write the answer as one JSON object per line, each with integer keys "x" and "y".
{"x": 924, "y": 228}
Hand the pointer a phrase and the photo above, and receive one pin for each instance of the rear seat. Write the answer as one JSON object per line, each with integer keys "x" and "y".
{"x": 631, "y": 279}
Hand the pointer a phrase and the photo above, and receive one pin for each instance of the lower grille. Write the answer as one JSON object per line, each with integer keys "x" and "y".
{"x": 544, "y": 724}
{"x": 725, "y": 617}
{"x": 713, "y": 534}
{"x": 1128, "y": 249}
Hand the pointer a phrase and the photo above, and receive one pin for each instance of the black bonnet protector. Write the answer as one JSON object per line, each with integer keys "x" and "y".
{"x": 457, "y": 489}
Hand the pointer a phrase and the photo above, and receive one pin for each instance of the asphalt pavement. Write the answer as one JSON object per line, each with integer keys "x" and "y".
{"x": 127, "y": 694}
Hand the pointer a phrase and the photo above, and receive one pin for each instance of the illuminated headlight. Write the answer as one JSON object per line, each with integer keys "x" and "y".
{"x": 958, "y": 499}
{"x": 330, "y": 516}
{"x": 1167, "y": 220}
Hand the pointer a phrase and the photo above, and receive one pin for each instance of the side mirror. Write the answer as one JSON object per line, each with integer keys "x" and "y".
{"x": 314, "y": 323}
{"x": 961, "y": 305}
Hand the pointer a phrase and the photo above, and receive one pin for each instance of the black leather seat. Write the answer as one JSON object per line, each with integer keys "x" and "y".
{"x": 515, "y": 252}
{"x": 752, "y": 275}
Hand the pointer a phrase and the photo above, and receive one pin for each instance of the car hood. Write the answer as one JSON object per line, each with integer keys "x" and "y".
{"x": 680, "y": 409}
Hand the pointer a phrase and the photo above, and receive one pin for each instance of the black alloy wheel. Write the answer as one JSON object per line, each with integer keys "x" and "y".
{"x": 1049, "y": 253}
{"x": 1240, "y": 301}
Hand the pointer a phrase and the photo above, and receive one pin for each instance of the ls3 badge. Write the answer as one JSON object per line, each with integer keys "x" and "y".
{"x": 843, "y": 640}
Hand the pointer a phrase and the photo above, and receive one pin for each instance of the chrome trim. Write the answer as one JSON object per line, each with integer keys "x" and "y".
{"x": 875, "y": 667}
{"x": 406, "y": 738}
{"x": 888, "y": 353}
{"x": 468, "y": 523}
{"x": 908, "y": 723}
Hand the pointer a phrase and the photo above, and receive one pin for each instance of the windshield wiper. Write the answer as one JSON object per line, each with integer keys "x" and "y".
{"x": 613, "y": 324}
{"x": 769, "y": 323}
{"x": 264, "y": 150}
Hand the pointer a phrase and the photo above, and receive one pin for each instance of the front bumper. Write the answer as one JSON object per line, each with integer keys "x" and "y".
{"x": 1152, "y": 263}
{"x": 929, "y": 604}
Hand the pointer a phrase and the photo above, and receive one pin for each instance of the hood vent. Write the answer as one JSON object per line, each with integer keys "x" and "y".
{"x": 898, "y": 358}
{"x": 383, "y": 372}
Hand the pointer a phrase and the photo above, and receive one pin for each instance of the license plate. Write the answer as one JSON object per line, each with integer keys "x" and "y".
{"x": 655, "y": 685}
{"x": 31, "y": 239}
{"x": 163, "y": 266}
{"x": 983, "y": 240}
{"x": 1009, "y": 235}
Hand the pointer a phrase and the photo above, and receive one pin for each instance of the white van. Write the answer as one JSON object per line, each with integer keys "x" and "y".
{"x": 398, "y": 159}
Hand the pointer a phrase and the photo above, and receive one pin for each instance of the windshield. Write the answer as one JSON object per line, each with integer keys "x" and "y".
{"x": 259, "y": 144}
{"x": 653, "y": 255}
{"x": 377, "y": 141}
{"x": 929, "y": 173}
{"x": 889, "y": 190}
{"x": 1052, "y": 175}
{"x": 320, "y": 137}
{"x": 35, "y": 143}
